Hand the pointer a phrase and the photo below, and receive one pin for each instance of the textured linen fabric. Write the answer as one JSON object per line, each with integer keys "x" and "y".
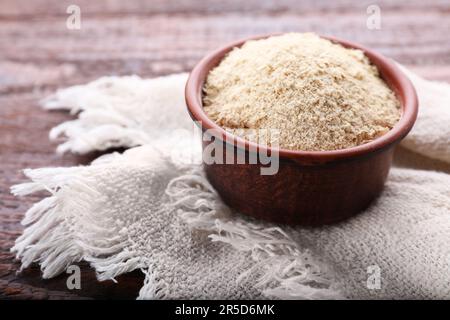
{"x": 405, "y": 234}
{"x": 108, "y": 224}
{"x": 431, "y": 134}
{"x": 151, "y": 208}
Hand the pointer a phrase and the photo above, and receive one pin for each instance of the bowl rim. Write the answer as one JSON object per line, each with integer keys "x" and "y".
{"x": 390, "y": 72}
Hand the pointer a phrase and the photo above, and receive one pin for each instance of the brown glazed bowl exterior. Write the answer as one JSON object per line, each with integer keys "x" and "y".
{"x": 311, "y": 187}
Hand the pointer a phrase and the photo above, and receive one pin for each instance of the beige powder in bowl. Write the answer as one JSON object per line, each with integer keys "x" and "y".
{"x": 317, "y": 94}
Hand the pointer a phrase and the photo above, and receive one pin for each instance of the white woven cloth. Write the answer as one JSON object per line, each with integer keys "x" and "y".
{"x": 152, "y": 209}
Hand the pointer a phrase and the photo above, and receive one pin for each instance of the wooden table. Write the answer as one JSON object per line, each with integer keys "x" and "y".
{"x": 39, "y": 54}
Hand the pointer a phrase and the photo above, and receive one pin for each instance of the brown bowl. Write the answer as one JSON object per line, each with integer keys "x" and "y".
{"x": 310, "y": 187}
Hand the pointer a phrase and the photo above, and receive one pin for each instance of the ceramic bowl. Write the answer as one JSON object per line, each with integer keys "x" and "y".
{"x": 310, "y": 187}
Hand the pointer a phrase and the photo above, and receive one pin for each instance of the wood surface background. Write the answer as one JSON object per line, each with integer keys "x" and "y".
{"x": 39, "y": 54}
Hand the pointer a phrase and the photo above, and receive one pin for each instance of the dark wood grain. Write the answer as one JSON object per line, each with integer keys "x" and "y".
{"x": 39, "y": 54}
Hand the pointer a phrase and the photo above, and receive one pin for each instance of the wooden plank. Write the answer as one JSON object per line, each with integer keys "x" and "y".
{"x": 38, "y": 54}
{"x": 24, "y": 8}
{"x": 160, "y": 44}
